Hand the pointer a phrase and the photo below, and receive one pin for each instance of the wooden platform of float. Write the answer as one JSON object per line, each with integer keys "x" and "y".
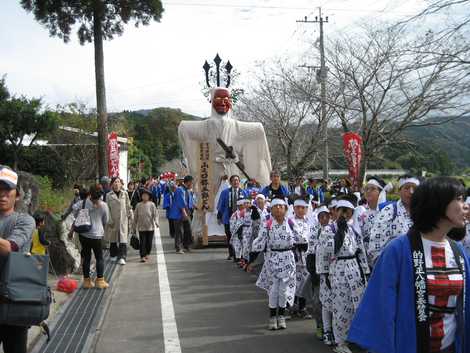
{"x": 206, "y": 240}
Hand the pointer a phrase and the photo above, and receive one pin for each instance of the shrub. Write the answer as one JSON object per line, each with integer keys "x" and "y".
{"x": 50, "y": 199}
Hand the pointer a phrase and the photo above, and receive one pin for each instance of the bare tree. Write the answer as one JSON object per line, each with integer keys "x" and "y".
{"x": 449, "y": 26}
{"x": 285, "y": 101}
{"x": 379, "y": 88}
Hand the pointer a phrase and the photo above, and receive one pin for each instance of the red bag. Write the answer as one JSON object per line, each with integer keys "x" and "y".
{"x": 67, "y": 285}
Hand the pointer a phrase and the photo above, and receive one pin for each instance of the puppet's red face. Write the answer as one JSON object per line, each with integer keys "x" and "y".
{"x": 222, "y": 101}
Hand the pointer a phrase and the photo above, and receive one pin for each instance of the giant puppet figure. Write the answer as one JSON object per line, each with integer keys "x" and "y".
{"x": 221, "y": 146}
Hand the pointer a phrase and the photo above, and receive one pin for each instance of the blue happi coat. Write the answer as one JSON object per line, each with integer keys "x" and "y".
{"x": 385, "y": 321}
{"x": 223, "y": 207}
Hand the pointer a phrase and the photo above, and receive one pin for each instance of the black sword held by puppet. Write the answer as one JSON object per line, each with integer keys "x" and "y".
{"x": 231, "y": 155}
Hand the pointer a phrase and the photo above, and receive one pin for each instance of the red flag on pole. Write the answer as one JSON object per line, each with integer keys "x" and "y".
{"x": 352, "y": 146}
{"x": 113, "y": 153}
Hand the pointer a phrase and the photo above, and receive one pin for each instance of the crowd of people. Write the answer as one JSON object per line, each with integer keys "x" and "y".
{"x": 387, "y": 276}
{"x": 104, "y": 215}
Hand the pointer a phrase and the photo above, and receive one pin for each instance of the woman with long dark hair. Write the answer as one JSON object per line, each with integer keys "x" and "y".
{"x": 342, "y": 264}
{"x": 419, "y": 295}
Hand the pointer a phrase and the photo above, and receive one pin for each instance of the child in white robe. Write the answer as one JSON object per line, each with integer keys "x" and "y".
{"x": 322, "y": 313}
{"x": 241, "y": 229}
{"x": 277, "y": 239}
{"x": 302, "y": 228}
{"x": 343, "y": 263}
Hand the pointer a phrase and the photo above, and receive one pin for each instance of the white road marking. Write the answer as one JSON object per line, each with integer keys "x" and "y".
{"x": 170, "y": 328}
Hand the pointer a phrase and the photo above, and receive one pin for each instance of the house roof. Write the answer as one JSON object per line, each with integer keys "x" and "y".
{"x": 93, "y": 134}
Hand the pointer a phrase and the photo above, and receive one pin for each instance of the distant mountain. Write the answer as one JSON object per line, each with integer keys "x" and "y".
{"x": 147, "y": 112}
{"x": 452, "y": 137}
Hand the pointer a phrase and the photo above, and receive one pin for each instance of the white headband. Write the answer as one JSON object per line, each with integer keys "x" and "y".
{"x": 277, "y": 202}
{"x": 260, "y": 196}
{"x": 408, "y": 180}
{"x": 322, "y": 209}
{"x": 333, "y": 203}
{"x": 345, "y": 203}
{"x": 242, "y": 202}
{"x": 375, "y": 183}
{"x": 301, "y": 203}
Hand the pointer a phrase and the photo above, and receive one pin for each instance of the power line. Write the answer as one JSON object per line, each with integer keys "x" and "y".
{"x": 247, "y": 6}
{"x": 234, "y": 6}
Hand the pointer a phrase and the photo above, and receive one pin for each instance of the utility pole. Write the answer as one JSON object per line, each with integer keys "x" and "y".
{"x": 320, "y": 20}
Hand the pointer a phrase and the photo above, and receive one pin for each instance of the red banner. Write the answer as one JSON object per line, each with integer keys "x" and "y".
{"x": 352, "y": 146}
{"x": 113, "y": 155}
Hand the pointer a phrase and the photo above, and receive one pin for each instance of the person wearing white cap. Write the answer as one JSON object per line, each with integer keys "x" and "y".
{"x": 392, "y": 220}
{"x": 374, "y": 194}
{"x": 241, "y": 230}
{"x": 302, "y": 229}
{"x": 332, "y": 209}
{"x": 16, "y": 231}
{"x": 250, "y": 230}
{"x": 341, "y": 258}
{"x": 260, "y": 201}
{"x": 277, "y": 238}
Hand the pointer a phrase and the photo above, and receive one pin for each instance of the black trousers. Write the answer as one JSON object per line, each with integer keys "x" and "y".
{"x": 187, "y": 234}
{"x": 180, "y": 240}
{"x": 13, "y": 339}
{"x": 231, "y": 252}
{"x": 118, "y": 250}
{"x": 171, "y": 224}
{"x": 87, "y": 246}
{"x": 146, "y": 242}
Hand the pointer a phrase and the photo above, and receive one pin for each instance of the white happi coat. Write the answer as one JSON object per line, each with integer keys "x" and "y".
{"x": 345, "y": 277}
{"x": 277, "y": 265}
{"x": 241, "y": 229}
{"x": 264, "y": 213}
{"x": 385, "y": 228}
{"x": 302, "y": 230}
{"x": 318, "y": 245}
{"x": 313, "y": 239}
{"x": 365, "y": 222}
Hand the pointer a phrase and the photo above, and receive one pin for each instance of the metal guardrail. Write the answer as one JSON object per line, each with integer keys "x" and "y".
{"x": 344, "y": 172}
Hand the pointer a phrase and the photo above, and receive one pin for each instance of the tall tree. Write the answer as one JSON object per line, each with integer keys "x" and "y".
{"x": 21, "y": 117}
{"x": 98, "y": 20}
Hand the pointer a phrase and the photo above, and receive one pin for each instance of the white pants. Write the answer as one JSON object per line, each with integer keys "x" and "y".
{"x": 277, "y": 294}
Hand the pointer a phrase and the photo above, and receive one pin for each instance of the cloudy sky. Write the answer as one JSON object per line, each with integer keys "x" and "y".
{"x": 161, "y": 65}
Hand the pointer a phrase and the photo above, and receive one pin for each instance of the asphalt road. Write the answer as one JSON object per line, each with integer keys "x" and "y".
{"x": 217, "y": 309}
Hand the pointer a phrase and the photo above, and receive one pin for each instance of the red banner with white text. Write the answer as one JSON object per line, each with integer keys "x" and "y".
{"x": 352, "y": 146}
{"x": 113, "y": 155}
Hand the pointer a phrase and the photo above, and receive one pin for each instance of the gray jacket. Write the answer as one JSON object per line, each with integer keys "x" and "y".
{"x": 18, "y": 228}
